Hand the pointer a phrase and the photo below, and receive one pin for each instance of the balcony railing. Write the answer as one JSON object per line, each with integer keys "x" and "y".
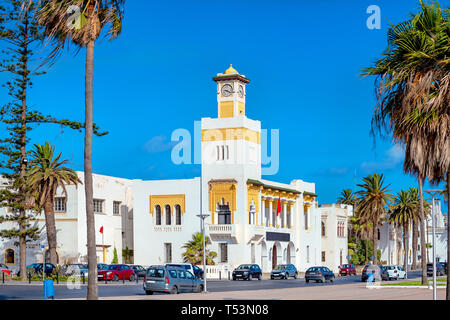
{"x": 222, "y": 232}
{"x": 167, "y": 228}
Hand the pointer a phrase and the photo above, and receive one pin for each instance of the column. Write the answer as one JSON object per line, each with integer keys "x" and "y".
{"x": 270, "y": 212}
{"x": 262, "y": 209}
{"x": 291, "y": 213}
{"x": 285, "y": 215}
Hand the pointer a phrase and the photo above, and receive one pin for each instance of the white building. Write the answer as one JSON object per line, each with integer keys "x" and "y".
{"x": 156, "y": 218}
{"x": 113, "y": 212}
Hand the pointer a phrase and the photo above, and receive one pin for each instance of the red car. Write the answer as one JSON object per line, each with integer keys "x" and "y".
{"x": 117, "y": 272}
{"x": 347, "y": 269}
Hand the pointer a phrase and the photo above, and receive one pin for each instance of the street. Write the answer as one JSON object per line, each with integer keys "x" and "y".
{"x": 131, "y": 289}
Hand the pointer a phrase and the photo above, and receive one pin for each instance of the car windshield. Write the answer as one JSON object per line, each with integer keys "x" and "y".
{"x": 281, "y": 267}
{"x": 346, "y": 266}
{"x": 111, "y": 267}
{"x": 312, "y": 269}
{"x": 390, "y": 267}
{"x": 155, "y": 273}
{"x": 244, "y": 266}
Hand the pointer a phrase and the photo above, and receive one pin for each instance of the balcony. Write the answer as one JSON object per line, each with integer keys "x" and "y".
{"x": 222, "y": 232}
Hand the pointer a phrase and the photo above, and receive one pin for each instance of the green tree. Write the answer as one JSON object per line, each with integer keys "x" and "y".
{"x": 115, "y": 259}
{"x": 413, "y": 95}
{"x": 46, "y": 175}
{"x": 373, "y": 202}
{"x": 127, "y": 254}
{"x": 194, "y": 250}
{"x": 95, "y": 16}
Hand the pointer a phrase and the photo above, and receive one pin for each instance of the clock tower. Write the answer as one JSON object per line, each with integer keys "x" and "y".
{"x": 231, "y": 93}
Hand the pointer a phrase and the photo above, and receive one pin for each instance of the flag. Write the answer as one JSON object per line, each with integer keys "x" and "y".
{"x": 101, "y": 230}
{"x": 279, "y": 206}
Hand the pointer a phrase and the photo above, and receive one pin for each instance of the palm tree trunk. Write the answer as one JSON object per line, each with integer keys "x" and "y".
{"x": 50, "y": 226}
{"x": 414, "y": 245}
{"x": 92, "y": 292}
{"x": 447, "y": 292}
{"x": 375, "y": 242}
{"x": 423, "y": 232}
{"x": 406, "y": 244}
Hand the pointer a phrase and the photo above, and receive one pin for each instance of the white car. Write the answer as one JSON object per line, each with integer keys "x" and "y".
{"x": 196, "y": 271}
{"x": 396, "y": 272}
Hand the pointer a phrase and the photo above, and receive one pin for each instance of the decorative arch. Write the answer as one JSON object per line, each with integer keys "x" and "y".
{"x": 168, "y": 213}
{"x": 9, "y": 256}
{"x": 177, "y": 214}
{"x": 290, "y": 257}
{"x": 158, "y": 214}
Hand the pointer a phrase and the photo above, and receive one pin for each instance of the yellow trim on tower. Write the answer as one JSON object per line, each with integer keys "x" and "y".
{"x": 241, "y": 108}
{"x": 231, "y": 134}
{"x": 167, "y": 199}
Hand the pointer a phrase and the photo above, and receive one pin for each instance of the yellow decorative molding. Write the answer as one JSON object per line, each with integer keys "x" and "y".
{"x": 231, "y": 134}
{"x": 219, "y": 191}
{"x": 226, "y": 109}
{"x": 167, "y": 199}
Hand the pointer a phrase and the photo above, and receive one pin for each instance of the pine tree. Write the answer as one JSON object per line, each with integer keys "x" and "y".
{"x": 23, "y": 59}
{"x": 115, "y": 259}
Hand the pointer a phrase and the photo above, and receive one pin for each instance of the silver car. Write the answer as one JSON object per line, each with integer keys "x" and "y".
{"x": 171, "y": 280}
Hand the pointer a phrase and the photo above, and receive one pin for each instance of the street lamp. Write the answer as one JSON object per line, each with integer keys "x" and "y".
{"x": 388, "y": 239}
{"x": 203, "y": 217}
{"x": 433, "y": 193}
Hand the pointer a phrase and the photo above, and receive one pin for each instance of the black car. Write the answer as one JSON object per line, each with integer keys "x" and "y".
{"x": 247, "y": 272}
{"x": 139, "y": 271}
{"x": 284, "y": 271}
{"x": 379, "y": 273}
{"x": 319, "y": 274}
{"x": 445, "y": 266}
{"x": 439, "y": 269}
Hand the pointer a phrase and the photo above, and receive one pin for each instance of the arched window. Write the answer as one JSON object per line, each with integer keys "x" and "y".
{"x": 178, "y": 214}
{"x": 323, "y": 229}
{"x": 9, "y": 256}
{"x": 168, "y": 215}
{"x": 158, "y": 215}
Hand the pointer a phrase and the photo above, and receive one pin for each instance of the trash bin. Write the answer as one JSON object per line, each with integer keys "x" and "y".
{"x": 49, "y": 289}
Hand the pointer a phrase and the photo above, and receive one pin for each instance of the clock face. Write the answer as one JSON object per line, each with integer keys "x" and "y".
{"x": 241, "y": 91}
{"x": 227, "y": 90}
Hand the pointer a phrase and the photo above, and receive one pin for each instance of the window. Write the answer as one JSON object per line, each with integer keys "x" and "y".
{"x": 223, "y": 152}
{"x": 223, "y": 252}
{"x": 306, "y": 217}
{"x": 60, "y": 204}
{"x": 224, "y": 213}
{"x": 168, "y": 215}
{"x": 181, "y": 274}
{"x": 307, "y": 254}
{"x": 178, "y": 214}
{"x": 9, "y": 256}
{"x": 158, "y": 215}
{"x": 116, "y": 208}
{"x": 323, "y": 229}
{"x": 168, "y": 252}
{"x": 323, "y": 256}
{"x": 98, "y": 206}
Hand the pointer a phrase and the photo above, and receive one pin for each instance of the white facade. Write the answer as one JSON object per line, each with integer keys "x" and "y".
{"x": 71, "y": 223}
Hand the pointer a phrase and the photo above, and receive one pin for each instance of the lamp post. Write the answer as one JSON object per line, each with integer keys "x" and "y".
{"x": 203, "y": 217}
{"x": 388, "y": 239}
{"x": 433, "y": 193}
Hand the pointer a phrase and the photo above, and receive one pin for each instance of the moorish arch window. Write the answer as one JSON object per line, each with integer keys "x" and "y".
{"x": 177, "y": 214}
{"x": 223, "y": 212}
{"x": 158, "y": 215}
{"x": 9, "y": 256}
{"x": 168, "y": 215}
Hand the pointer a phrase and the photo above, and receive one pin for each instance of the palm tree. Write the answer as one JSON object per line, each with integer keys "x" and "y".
{"x": 373, "y": 203}
{"x": 45, "y": 176}
{"x": 402, "y": 214}
{"x": 413, "y": 95}
{"x": 194, "y": 250}
{"x": 95, "y": 15}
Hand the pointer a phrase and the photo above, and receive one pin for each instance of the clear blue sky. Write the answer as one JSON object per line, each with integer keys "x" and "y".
{"x": 304, "y": 60}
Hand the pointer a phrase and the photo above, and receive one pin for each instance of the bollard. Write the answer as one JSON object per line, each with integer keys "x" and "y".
{"x": 228, "y": 275}
{"x": 106, "y": 278}
{"x": 84, "y": 279}
{"x": 123, "y": 278}
{"x": 29, "y": 277}
{"x": 220, "y": 275}
{"x": 137, "y": 278}
{"x": 57, "y": 278}
{"x": 3, "y": 276}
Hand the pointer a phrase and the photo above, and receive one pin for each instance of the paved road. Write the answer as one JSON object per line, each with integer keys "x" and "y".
{"x": 35, "y": 291}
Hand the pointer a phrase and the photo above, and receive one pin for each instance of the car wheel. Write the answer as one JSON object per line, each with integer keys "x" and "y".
{"x": 295, "y": 275}
{"x": 116, "y": 277}
{"x": 200, "y": 288}
{"x": 260, "y": 276}
{"x": 307, "y": 281}
{"x": 234, "y": 278}
{"x": 250, "y": 277}
{"x": 332, "y": 279}
{"x": 132, "y": 277}
{"x": 271, "y": 278}
{"x": 322, "y": 280}
{"x": 174, "y": 290}
{"x": 148, "y": 292}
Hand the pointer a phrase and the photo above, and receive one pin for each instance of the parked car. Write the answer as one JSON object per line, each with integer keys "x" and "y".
{"x": 171, "y": 280}
{"x": 379, "y": 273}
{"x": 48, "y": 268}
{"x": 347, "y": 269}
{"x": 445, "y": 266}
{"x": 247, "y": 272}
{"x": 101, "y": 266}
{"x": 439, "y": 269}
{"x": 395, "y": 272}
{"x": 4, "y": 269}
{"x": 196, "y": 271}
{"x": 319, "y": 274}
{"x": 139, "y": 271}
{"x": 116, "y": 272}
{"x": 284, "y": 271}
